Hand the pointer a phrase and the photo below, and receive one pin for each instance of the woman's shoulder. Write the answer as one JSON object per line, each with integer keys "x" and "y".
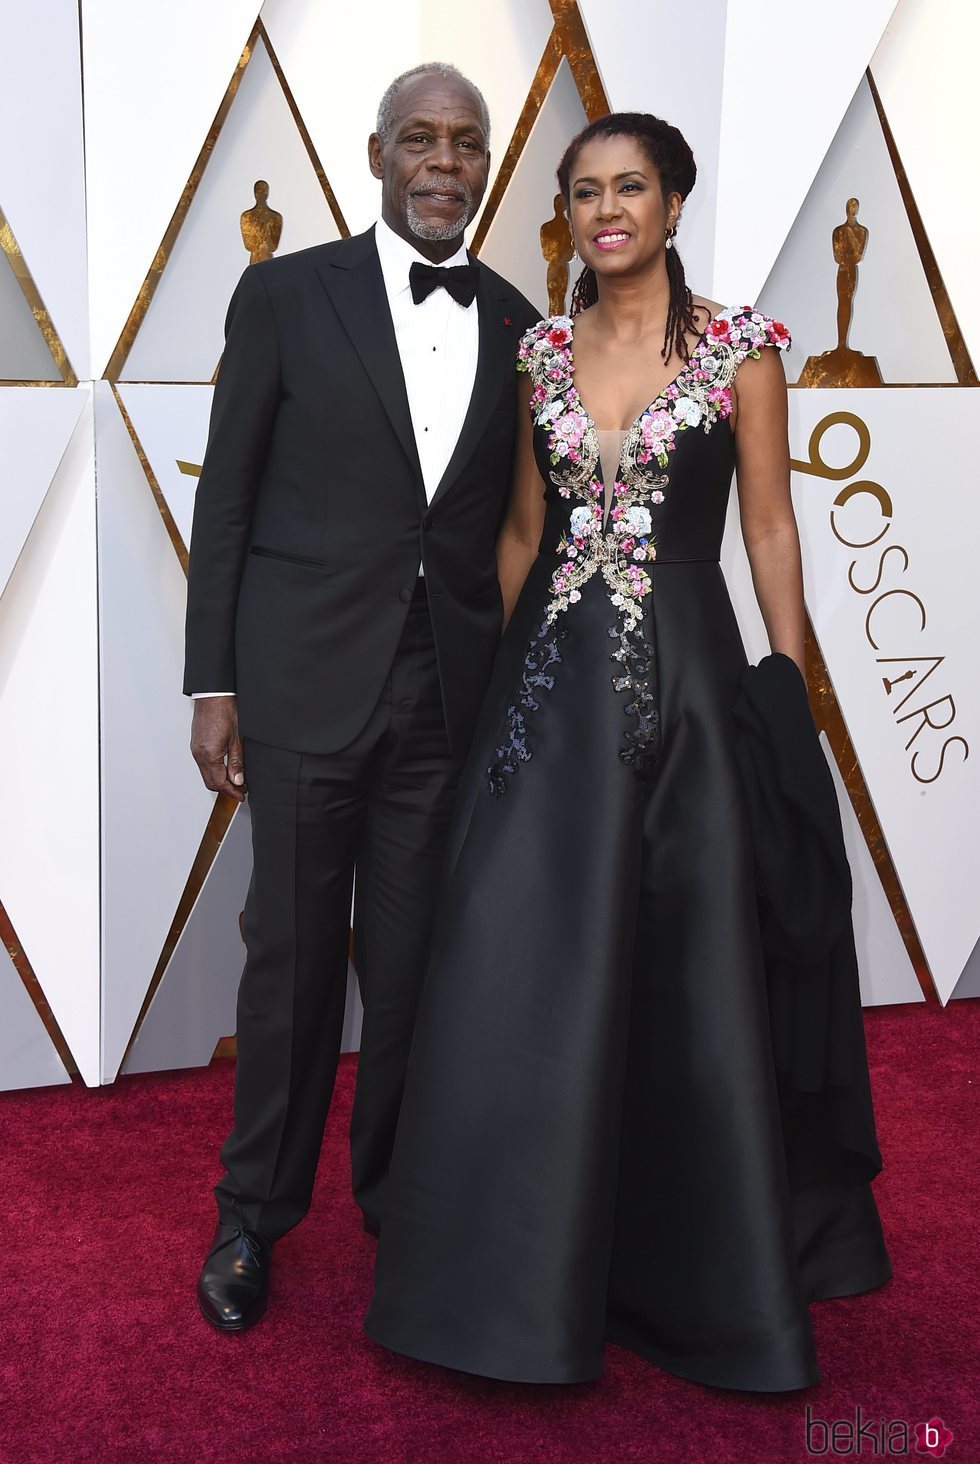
{"x": 742, "y": 327}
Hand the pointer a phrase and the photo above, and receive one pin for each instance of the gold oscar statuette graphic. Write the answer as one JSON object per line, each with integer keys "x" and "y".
{"x": 261, "y": 230}
{"x": 559, "y": 251}
{"x": 843, "y": 366}
{"x": 261, "y": 225}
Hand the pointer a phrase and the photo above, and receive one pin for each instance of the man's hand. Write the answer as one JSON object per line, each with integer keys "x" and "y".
{"x": 216, "y": 745}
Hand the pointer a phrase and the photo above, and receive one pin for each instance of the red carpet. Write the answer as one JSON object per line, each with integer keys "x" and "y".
{"x": 103, "y": 1356}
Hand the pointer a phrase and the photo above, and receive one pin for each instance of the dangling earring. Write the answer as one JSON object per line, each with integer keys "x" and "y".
{"x": 668, "y": 238}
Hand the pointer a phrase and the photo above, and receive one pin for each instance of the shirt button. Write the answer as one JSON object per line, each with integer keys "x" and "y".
{"x": 405, "y": 596}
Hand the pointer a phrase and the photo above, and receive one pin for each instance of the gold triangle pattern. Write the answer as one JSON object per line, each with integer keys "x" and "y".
{"x": 956, "y": 345}
{"x": 130, "y": 330}
{"x": 218, "y": 824}
{"x": 174, "y": 534}
{"x": 32, "y": 986}
{"x": 32, "y": 295}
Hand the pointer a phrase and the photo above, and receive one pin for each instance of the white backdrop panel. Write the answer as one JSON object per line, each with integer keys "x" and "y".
{"x": 512, "y": 244}
{"x": 171, "y": 422}
{"x": 41, "y": 127}
{"x": 894, "y": 315}
{"x": 969, "y": 982}
{"x": 925, "y": 69}
{"x": 182, "y": 336}
{"x": 338, "y": 60}
{"x": 27, "y": 1057}
{"x": 154, "y": 78}
{"x": 35, "y": 429}
{"x": 154, "y": 805}
{"x": 49, "y": 740}
{"x": 887, "y": 975}
{"x": 24, "y": 354}
{"x": 194, "y": 1005}
{"x": 913, "y": 508}
{"x": 790, "y": 73}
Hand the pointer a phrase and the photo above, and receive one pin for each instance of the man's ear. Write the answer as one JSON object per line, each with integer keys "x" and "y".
{"x": 375, "y": 158}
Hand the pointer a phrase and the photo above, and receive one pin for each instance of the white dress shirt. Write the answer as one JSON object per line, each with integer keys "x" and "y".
{"x": 438, "y": 342}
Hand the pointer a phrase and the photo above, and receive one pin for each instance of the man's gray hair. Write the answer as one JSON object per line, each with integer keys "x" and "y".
{"x": 386, "y": 110}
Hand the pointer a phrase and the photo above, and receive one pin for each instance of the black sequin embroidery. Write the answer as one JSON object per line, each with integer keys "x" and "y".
{"x": 637, "y": 673}
{"x": 541, "y": 654}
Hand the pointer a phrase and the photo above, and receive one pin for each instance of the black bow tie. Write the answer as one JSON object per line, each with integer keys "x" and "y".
{"x": 460, "y": 281}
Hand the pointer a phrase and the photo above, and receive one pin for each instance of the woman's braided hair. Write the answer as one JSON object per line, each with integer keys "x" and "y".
{"x": 668, "y": 152}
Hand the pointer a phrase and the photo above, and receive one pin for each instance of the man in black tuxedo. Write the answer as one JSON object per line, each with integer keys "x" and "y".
{"x": 342, "y": 616}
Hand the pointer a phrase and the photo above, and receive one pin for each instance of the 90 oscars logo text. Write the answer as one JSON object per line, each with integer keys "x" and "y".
{"x": 896, "y": 618}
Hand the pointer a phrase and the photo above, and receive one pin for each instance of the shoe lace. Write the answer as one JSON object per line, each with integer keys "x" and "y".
{"x": 252, "y": 1242}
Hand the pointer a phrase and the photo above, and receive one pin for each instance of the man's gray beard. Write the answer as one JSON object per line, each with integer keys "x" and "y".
{"x": 433, "y": 230}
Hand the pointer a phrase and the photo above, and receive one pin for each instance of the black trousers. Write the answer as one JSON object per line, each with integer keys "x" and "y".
{"x": 380, "y": 806}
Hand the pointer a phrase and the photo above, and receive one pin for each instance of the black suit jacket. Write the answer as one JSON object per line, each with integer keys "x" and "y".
{"x": 311, "y": 516}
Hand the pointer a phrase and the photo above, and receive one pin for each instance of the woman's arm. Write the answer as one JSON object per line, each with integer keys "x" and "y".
{"x": 765, "y": 506}
{"x": 520, "y": 532}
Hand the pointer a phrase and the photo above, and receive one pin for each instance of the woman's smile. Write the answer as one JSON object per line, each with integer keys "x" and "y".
{"x": 611, "y": 239}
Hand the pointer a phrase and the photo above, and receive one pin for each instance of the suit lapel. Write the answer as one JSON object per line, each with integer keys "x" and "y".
{"x": 355, "y": 284}
{"x": 497, "y": 350}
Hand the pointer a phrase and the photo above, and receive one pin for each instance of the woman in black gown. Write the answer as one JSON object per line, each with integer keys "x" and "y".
{"x": 597, "y": 1139}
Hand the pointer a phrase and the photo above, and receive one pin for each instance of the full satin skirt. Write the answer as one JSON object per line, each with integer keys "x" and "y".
{"x": 592, "y": 1143}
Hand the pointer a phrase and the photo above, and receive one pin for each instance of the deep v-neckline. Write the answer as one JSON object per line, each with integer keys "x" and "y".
{"x": 657, "y": 400}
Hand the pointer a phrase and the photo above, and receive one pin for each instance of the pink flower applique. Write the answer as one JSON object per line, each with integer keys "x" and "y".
{"x": 721, "y": 397}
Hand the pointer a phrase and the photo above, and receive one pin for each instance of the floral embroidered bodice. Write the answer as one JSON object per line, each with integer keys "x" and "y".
{"x": 612, "y": 530}
{"x": 620, "y": 543}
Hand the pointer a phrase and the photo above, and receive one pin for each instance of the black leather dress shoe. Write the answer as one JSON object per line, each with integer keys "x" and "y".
{"x": 233, "y": 1288}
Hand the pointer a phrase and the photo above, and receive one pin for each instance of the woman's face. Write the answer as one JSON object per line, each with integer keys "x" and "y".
{"x": 616, "y": 207}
